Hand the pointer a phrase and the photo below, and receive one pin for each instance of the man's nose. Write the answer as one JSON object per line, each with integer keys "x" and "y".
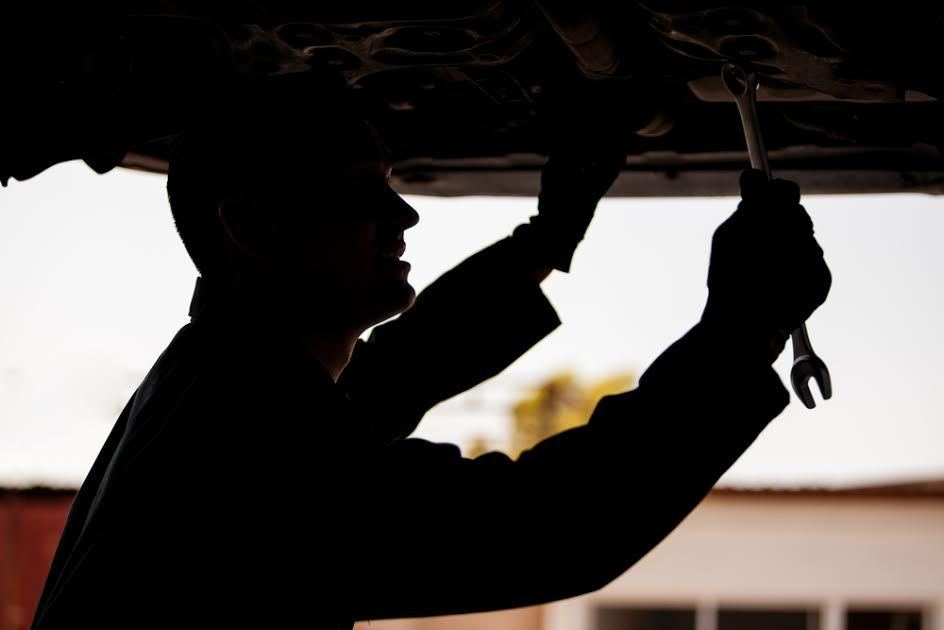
{"x": 403, "y": 215}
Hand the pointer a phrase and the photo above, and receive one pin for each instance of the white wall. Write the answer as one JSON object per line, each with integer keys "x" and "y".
{"x": 816, "y": 551}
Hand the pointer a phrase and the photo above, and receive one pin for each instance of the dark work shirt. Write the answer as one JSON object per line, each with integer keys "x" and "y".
{"x": 241, "y": 485}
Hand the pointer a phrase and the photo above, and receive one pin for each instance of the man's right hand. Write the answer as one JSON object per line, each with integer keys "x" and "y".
{"x": 767, "y": 273}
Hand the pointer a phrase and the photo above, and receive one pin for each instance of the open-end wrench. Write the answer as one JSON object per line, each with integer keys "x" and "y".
{"x": 742, "y": 84}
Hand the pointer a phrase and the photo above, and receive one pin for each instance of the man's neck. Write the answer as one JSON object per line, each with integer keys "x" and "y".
{"x": 333, "y": 351}
{"x": 330, "y": 344}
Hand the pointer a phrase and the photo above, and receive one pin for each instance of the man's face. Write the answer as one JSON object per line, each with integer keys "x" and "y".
{"x": 342, "y": 250}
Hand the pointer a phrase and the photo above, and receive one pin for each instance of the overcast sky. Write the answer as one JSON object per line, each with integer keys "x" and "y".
{"x": 94, "y": 284}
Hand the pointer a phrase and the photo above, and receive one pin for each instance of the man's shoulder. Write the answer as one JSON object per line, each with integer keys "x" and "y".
{"x": 216, "y": 389}
{"x": 206, "y": 429}
{"x": 201, "y": 361}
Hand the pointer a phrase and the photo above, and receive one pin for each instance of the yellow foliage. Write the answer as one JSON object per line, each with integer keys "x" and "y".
{"x": 558, "y": 404}
{"x": 478, "y": 445}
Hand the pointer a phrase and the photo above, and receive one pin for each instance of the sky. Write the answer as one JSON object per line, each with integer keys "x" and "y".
{"x": 94, "y": 283}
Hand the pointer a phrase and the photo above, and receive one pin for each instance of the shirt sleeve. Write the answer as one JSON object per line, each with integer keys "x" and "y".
{"x": 454, "y": 535}
{"x": 466, "y": 327}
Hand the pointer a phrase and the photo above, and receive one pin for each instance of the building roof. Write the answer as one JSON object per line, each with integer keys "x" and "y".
{"x": 924, "y": 488}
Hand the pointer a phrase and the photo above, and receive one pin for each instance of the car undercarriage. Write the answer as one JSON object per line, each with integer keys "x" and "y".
{"x": 472, "y": 96}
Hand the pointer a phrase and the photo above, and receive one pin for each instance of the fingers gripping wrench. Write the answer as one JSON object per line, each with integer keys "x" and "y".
{"x": 742, "y": 85}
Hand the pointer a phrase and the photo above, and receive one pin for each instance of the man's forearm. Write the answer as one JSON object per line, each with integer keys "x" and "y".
{"x": 467, "y": 326}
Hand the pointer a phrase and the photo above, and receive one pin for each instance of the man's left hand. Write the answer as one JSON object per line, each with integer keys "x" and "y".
{"x": 572, "y": 183}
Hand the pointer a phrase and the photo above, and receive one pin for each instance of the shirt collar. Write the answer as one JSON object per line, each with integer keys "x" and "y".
{"x": 244, "y": 322}
{"x": 212, "y": 298}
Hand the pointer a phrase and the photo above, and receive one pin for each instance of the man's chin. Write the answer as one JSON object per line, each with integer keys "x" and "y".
{"x": 403, "y": 299}
{"x": 392, "y": 301}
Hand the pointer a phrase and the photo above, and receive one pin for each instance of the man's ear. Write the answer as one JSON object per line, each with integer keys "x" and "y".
{"x": 247, "y": 229}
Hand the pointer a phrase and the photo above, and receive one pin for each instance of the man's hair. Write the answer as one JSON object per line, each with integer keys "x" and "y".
{"x": 278, "y": 136}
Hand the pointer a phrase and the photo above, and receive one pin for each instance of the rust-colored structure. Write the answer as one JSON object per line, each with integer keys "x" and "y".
{"x": 31, "y": 521}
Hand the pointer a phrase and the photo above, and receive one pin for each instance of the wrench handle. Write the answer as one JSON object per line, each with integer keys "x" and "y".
{"x": 802, "y": 346}
{"x": 742, "y": 84}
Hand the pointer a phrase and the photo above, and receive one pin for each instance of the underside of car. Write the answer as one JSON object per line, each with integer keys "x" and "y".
{"x": 472, "y": 95}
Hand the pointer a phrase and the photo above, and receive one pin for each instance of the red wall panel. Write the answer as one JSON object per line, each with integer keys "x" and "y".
{"x": 30, "y": 525}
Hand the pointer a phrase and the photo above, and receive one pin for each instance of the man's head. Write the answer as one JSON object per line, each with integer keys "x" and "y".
{"x": 292, "y": 199}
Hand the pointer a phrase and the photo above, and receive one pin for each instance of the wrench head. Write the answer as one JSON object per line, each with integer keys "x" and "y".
{"x": 809, "y": 367}
{"x": 736, "y": 79}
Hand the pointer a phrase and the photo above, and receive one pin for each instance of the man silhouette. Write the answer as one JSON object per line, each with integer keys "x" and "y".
{"x": 262, "y": 473}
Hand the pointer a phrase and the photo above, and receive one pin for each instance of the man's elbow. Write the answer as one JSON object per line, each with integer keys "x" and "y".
{"x": 575, "y": 581}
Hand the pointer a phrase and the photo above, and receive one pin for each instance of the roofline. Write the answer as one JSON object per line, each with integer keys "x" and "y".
{"x": 36, "y": 491}
{"x": 916, "y": 489}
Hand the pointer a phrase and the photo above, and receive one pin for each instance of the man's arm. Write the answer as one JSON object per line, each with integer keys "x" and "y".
{"x": 466, "y": 327}
{"x": 454, "y": 535}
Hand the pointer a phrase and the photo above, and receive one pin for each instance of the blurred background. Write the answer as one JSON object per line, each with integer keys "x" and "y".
{"x": 833, "y": 520}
